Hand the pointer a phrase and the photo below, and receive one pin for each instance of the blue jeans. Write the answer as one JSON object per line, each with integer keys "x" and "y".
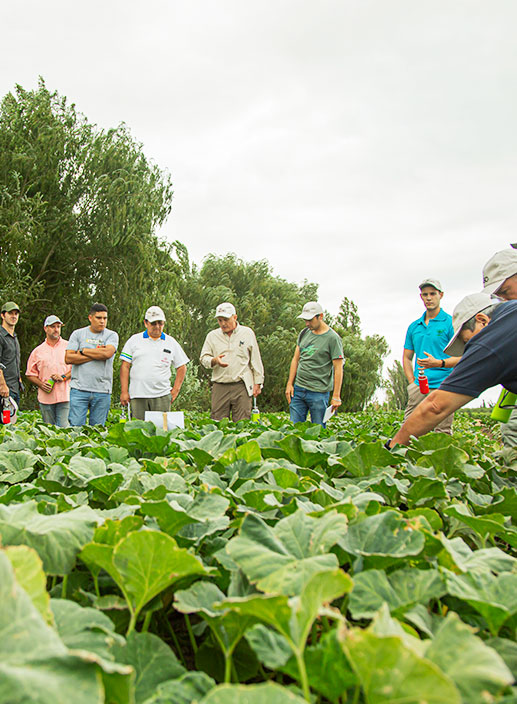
{"x": 304, "y": 401}
{"x": 96, "y": 402}
{"x": 55, "y": 413}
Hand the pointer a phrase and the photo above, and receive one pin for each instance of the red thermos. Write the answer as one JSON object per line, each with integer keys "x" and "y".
{"x": 422, "y": 382}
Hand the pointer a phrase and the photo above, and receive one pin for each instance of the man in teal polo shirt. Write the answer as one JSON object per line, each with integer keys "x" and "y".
{"x": 427, "y": 337}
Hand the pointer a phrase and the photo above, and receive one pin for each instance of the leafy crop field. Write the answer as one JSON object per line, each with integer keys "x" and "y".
{"x": 256, "y": 564}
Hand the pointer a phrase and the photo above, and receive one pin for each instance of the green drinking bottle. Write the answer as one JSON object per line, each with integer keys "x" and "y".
{"x": 504, "y": 406}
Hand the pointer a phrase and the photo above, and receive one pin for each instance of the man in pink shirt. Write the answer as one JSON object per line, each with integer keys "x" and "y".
{"x": 47, "y": 369}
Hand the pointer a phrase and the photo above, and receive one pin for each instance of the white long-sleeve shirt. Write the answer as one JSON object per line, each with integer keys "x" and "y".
{"x": 241, "y": 353}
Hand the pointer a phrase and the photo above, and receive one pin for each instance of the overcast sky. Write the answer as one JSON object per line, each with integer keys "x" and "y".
{"x": 360, "y": 144}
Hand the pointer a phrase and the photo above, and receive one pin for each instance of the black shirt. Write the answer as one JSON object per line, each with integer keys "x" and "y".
{"x": 490, "y": 357}
{"x": 10, "y": 358}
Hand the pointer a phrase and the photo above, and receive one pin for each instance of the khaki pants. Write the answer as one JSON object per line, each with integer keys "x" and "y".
{"x": 140, "y": 405}
{"x": 230, "y": 398}
{"x": 415, "y": 398}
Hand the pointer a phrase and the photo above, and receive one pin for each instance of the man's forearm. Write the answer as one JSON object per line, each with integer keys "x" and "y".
{"x": 338, "y": 380}
{"x": 428, "y": 414}
{"x": 99, "y": 353}
{"x": 124, "y": 377}
{"x": 180, "y": 376}
{"x": 293, "y": 368}
{"x": 407, "y": 365}
{"x": 74, "y": 357}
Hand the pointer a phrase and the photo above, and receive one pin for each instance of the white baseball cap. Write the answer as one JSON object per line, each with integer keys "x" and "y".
{"x": 466, "y": 309}
{"x": 153, "y": 314}
{"x": 431, "y": 282}
{"x": 51, "y": 319}
{"x": 225, "y": 310}
{"x": 498, "y": 268}
{"x": 311, "y": 309}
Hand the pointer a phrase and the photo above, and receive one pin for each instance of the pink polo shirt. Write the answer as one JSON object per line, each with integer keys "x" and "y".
{"x": 46, "y": 360}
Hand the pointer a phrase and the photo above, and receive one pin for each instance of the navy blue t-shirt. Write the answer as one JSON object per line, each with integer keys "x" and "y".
{"x": 490, "y": 357}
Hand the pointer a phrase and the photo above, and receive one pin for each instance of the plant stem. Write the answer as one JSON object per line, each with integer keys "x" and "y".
{"x": 227, "y": 668}
{"x": 304, "y": 680}
{"x": 132, "y": 623}
{"x": 96, "y": 584}
{"x": 176, "y": 643}
{"x": 356, "y": 694}
{"x": 147, "y": 621}
{"x": 64, "y": 584}
{"x": 190, "y": 634}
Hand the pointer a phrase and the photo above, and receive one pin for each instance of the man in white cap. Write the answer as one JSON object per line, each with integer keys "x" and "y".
{"x": 500, "y": 279}
{"x": 316, "y": 368}
{"x": 485, "y": 336}
{"x": 46, "y": 368}
{"x": 145, "y": 370}
{"x": 232, "y": 353}
{"x": 425, "y": 341}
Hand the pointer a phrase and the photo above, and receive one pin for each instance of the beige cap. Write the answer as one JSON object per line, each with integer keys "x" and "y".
{"x": 464, "y": 311}
{"x": 431, "y": 282}
{"x": 225, "y": 310}
{"x": 498, "y": 268}
{"x": 311, "y": 309}
{"x": 153, "y": 314}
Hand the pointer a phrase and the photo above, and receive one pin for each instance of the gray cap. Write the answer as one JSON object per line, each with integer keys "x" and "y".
{"x": 311, "y": 309}
{"x": 499, "y": 268}
{"x": 225, "y": 310}
{"x": 51, "y": 319}
{"x": 9, "y": 306}
{"x": 431, "y": 282}
{"x": 466, "y": 309}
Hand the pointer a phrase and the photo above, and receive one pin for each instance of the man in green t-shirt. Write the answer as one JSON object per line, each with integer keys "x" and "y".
{"x": 316, "y": 368}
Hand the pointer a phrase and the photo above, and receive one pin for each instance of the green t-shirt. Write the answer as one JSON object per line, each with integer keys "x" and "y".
{"x": 315, "y": 369}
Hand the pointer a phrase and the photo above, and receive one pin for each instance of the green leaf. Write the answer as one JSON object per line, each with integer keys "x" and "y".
{"x": 383, "y": 538}
{"x": 187, "y": 689}
{"x": 251, "y": 694}
{"x": 152, "y": 660}
{"x": 28, "y": 571}
{"x": 83, "y": 628}
{"x": 283, "y": 558}
{"x": 457, "y": 554}
{"x": 491, "y": 524}
{"x": 57, "y": 539}
{"x": 271, "y": 648}
{"x": 477, "y": 670}
{"x": 366, "y": 457}
{"x": 16, "y": 467}
{"x": 495, "y": 598}
{"x": 390, "y": 672}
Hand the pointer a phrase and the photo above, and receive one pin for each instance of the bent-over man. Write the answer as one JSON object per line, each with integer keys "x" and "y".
{"x": 485, "y": 336}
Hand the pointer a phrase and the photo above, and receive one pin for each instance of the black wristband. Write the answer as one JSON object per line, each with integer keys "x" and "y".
{"x": 443, "y": 363}
{"x": 387, "y": 444}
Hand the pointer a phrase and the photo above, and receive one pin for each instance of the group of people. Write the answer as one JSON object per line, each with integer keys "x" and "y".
{"x": 464, "y": 355}
{"x": 460, "y": 356}
{"x": 75, "y": 377}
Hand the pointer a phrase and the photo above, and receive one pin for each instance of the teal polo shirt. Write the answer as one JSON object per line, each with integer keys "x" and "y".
{"x": 432, "y": 338}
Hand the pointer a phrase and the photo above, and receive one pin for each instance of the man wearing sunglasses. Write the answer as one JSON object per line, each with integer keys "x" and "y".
{"x": 145, "y": 370}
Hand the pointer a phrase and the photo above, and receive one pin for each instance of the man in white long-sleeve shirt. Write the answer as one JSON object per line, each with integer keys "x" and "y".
{"x": 233, "y": 355}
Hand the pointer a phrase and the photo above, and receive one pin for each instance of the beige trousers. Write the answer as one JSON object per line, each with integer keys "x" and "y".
{"x": 415, "y": 398}
{"x": 230, "y": 399}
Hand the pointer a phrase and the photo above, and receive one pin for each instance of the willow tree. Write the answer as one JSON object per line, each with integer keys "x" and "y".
{"x": 79, "y": 210}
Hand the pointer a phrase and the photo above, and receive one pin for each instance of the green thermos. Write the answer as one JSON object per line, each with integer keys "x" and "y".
{"x": 255, "y": 413}
{"x": 504, "y": 406}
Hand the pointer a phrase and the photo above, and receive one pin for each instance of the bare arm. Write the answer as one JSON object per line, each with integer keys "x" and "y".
{"x": 407, "y": 364}
{"x": 426, "y": 416}
{"x": 75, "y": 357}
{"x": 178, "y": 381}
{"x": 124, "y": 383}
{"x": 289, "y": 389}
{"x": 99, "y": 353}
{"x": 430, "y": 362}
{"x": 338, "y": 381}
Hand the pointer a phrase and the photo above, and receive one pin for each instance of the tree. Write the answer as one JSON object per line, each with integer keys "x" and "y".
{"x": 79, "y": 209}
{"x": 266, "y": 303}
{"x": 363, "y": 358}
{"x": 396, "y": 387}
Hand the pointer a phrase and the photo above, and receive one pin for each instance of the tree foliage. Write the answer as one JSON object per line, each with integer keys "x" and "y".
{"x": 80, "y": 209}
{"x": 396, "y": 387}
